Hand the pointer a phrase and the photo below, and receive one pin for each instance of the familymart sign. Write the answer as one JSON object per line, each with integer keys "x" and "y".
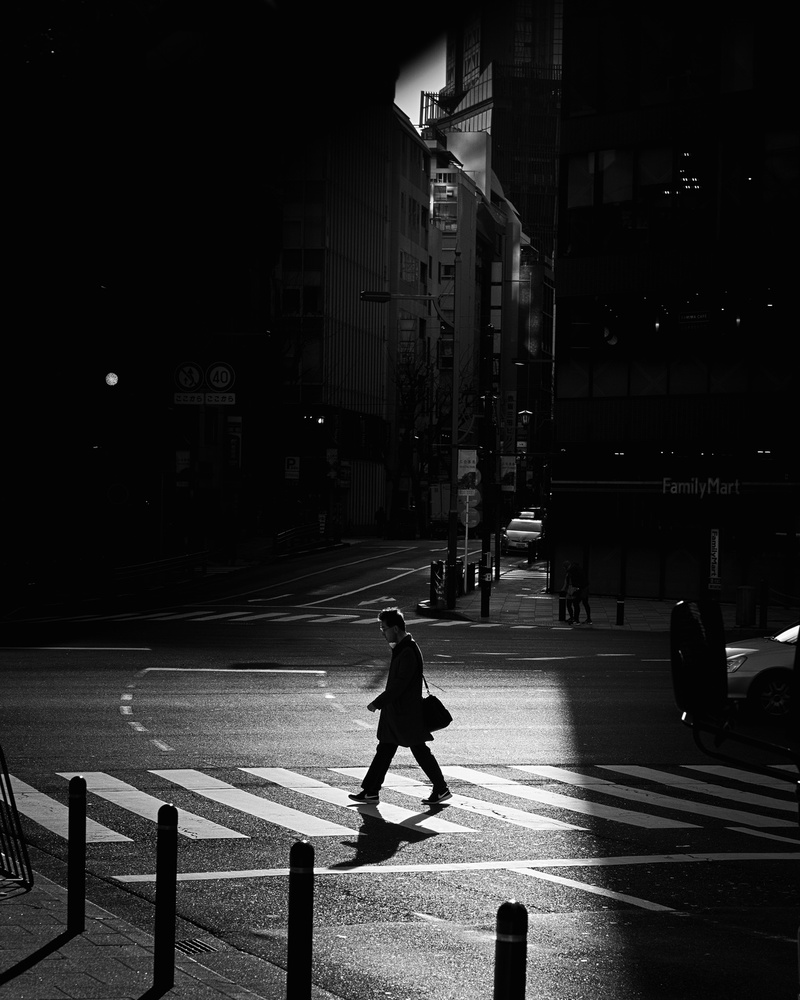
{"x": 711, "y": 487}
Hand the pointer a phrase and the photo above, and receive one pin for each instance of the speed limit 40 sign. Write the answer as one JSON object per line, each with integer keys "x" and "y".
{"x": 219, "y": 377}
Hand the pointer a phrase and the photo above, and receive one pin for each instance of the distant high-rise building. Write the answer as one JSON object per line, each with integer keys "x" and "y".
{"x": 503, "y": 77}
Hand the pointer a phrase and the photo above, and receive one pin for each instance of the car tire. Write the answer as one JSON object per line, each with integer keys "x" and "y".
{"x": 769, "y": 694}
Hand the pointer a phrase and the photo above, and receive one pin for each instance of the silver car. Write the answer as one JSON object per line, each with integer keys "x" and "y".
{"x": 519, "y": 533}
{"x": 761, "y": 672}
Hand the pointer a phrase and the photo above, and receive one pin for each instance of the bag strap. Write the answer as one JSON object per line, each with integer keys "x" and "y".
{"x": 418, "y": 655}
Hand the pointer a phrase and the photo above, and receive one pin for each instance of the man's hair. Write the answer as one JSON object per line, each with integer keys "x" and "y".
{"x": 392, "y": 617}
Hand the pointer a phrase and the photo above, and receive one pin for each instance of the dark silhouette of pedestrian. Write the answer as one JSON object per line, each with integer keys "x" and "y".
{"x": 401, "y": 723}
{"x": 576, "y": 585}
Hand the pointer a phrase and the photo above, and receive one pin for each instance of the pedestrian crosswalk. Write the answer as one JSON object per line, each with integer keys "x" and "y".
{"x": 285, "y": 616}
{"x": 532, "y": 797}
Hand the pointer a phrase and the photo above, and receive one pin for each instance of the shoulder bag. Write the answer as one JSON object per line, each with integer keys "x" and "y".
{"x": 434, "y": 713}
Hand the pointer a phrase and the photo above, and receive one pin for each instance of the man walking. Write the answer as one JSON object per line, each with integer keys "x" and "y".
{"x": 401, "y": 723}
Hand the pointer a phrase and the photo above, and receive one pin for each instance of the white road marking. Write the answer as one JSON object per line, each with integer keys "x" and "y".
{"x": 277, "y": 615}
{"x": 721, "y": 771}
{"x": 538, "y": 659}
{"x": 54, "y": 816}
{"x": 517, "y": 817}
{"x": 764, "y": 834}
{"x": 127, "y": 797}
{"x": 331, "y": 618}
{"x": 467, "y": 866}
{"x": 283, "y": 618}
{"x": 182, "y": 614}
{"x": 420, "y": 819}
{"x": 226, "y": 614}
{"x": 705, "y": 787}
{"x": 597, "y": 889}
{"x": 509, "y": 787}
{"x": 89, "y": 649}
{"x": 606, "y": 787}
{"x": 253, "y": 805}
{"x": 228, "y": 670}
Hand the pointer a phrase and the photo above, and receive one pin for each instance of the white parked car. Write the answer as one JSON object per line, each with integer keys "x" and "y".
{"x": 760, "y": 672}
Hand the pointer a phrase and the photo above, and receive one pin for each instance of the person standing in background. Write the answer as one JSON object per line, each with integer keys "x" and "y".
{"x": 576, "y": 586}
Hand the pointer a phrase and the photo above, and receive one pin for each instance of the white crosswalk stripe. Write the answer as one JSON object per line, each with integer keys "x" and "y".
{"x": 768, "y": 811}
{"x": 417, "y": 820}
{"x": 517, "y": 817}
{"x": 122, "y": 794}
{"x": 54, "y": 816}
{"x": 737, "y": 774}
{"x": 604, "y": 786}
{"x": 254, "y": 805}
{"x": 704, "y": 787}
{"x": 510, "y": 787}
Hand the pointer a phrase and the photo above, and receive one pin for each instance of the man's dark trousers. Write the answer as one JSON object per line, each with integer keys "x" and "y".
{"x": 373, "y": 779}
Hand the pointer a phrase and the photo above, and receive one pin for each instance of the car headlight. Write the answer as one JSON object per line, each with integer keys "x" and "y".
{"x": 734, "y": 662}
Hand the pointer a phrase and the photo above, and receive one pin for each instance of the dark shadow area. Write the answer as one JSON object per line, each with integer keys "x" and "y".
{"x": 378, "y": 841}
{"x": 41, "y": 953}
{"x": 156, "y": 991}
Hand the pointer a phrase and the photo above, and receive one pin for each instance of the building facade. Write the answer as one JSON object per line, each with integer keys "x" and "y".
{"x": 503, "y": 82}
{"x": 676, "y": 467}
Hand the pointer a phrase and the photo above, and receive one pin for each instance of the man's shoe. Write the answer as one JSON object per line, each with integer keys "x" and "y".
{"x": 363, "y": 796}
{"x": 589, "y": 621}
{"x": 436, "y": 797}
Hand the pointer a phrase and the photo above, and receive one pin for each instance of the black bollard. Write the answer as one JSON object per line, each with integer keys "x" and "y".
{"x": 301, "y": 921}
{"x": 620, "y": 610}
{"x": 166, "y": 892}
{"x": 76, "y": 856}
{"x": 511, "y": 951}
{"x": 562, "y": 606}
{"x": 486, "y": 583}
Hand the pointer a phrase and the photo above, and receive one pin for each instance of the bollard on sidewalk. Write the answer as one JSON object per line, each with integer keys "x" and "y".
{"x": 511, "y": 951}
{"x": 76, "y": 856}
{"x": 620, "y": 610}
{"x": 301, "y": 921}
{"x": 166, "y": 892}
{"x": 486, "y": 583}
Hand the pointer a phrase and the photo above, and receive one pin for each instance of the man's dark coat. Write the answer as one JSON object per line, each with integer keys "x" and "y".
{"x": 401, "y": 702}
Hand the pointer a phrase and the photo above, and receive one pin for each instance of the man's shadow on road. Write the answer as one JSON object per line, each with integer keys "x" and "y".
{"x": 379, "y": 841}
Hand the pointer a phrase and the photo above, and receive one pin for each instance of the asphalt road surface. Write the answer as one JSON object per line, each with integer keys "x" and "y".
{"x": 646, "y": 868}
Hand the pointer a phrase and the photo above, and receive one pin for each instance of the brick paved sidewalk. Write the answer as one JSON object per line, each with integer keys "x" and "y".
{"x": 111, "y": 959}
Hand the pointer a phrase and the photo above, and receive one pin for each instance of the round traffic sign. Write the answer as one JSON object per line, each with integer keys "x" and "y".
{"x": 188, "y": 376}
{"x": 220, "y": 377}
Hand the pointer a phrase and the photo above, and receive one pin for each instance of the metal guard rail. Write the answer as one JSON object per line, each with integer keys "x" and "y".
{"x": 15, "y": 864}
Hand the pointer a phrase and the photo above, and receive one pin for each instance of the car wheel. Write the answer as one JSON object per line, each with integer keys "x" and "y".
{"x": 769, "y": 694}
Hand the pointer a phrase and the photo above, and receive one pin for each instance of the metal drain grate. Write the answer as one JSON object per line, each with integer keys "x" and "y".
{"x": 194, "y": 946}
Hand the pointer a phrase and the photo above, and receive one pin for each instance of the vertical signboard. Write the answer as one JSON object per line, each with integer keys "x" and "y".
{"x": 714, "y": 582}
